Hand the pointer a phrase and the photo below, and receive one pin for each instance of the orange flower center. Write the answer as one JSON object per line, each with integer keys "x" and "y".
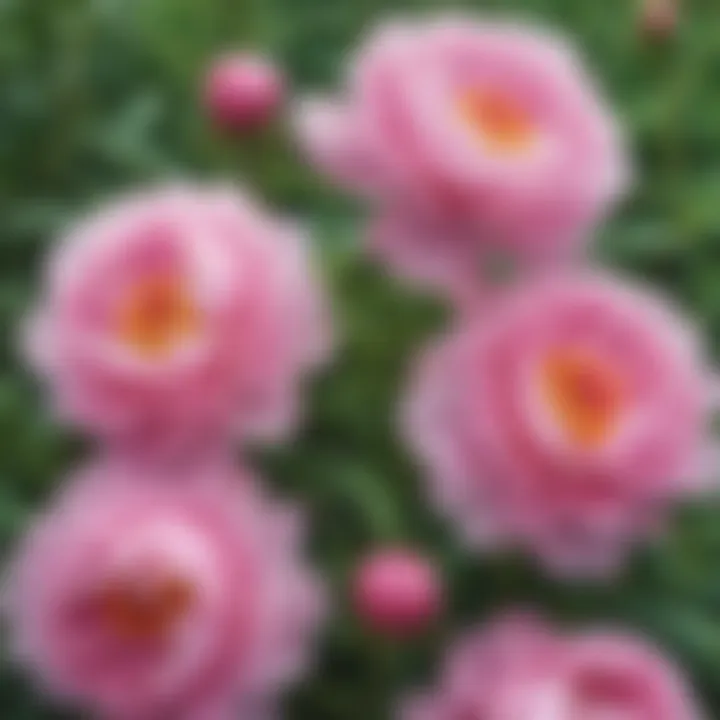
{"x": 156, "y": 315}
{"x": 585, "y": 395}
{"x": 136, "y": 611}
{"x": 502, "y": 124}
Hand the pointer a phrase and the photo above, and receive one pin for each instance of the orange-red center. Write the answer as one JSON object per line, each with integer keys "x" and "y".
{"x": 502, "y": 124}
{"x": 144, "y": 611}
{"x": 585, "y": 394}
{"x": 156, "y": 315}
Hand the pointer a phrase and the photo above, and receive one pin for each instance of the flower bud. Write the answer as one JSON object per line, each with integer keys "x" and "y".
{"x": 243, "y": 92}
{"x": 397, "y": 592}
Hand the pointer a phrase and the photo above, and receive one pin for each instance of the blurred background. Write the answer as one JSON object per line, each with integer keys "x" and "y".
{"x": 97, "y": 96}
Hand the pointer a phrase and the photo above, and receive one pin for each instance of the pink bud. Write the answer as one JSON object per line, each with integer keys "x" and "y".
{"x": 397, "y": 592}
{"x": 243, "y": 92}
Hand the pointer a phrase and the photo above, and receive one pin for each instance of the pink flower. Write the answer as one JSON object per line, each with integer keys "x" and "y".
{"x": 176, "y": 315}
{"x": 519, "y": 669}
{"x": 137, "y": 598}
{"x": 397, "y": 592}
{"x": 243, "y": 92}
{"x": 469, "y": 138}
{"x": 567, "y": 420}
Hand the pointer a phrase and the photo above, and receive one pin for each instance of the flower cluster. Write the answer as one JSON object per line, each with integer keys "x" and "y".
{"x": 567, "y": 409}
{"x": 564, "y": 413}
{"x": 163, "y": 583}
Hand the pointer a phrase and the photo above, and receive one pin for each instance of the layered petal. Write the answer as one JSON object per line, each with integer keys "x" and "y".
{"x": 479, "y": 136}
{"x": 179, "y": 314}
{"x": 568, "y": 419}
{"x": 518, "y": 667}
{"x": 141, "y": 595}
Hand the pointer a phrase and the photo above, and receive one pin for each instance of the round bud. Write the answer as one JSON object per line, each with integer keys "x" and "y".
{"x": 243, "y": 92}
{"x": 397, "y": 592}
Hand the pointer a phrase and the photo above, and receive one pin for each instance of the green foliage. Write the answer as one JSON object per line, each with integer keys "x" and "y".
{"x": 101, "y": 95}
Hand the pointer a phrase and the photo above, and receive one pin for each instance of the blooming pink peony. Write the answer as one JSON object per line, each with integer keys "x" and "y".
{"x": 243, "y": 92}
{"x": 469, "y": 138}
{"x": 518, "y": 669}
{"x": 178, "y": 314}
{"x": 567, "y": 420}
{"x": 142, "y": 599}
{"x": 397, "y": 592}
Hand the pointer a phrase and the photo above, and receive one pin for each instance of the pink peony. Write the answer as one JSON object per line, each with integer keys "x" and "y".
{"x": 397, "y": 592}
{"x": 519, "y": 669}
{"x": 469, "y": 138}
{"x": 567, "y": 420}
{"x": 243, "y": 92}
{"x": 176, "y": 315}
{"x": 142, "y": 599}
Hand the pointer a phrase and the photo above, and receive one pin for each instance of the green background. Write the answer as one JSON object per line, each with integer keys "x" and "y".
{"x": 98, "y": 96}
